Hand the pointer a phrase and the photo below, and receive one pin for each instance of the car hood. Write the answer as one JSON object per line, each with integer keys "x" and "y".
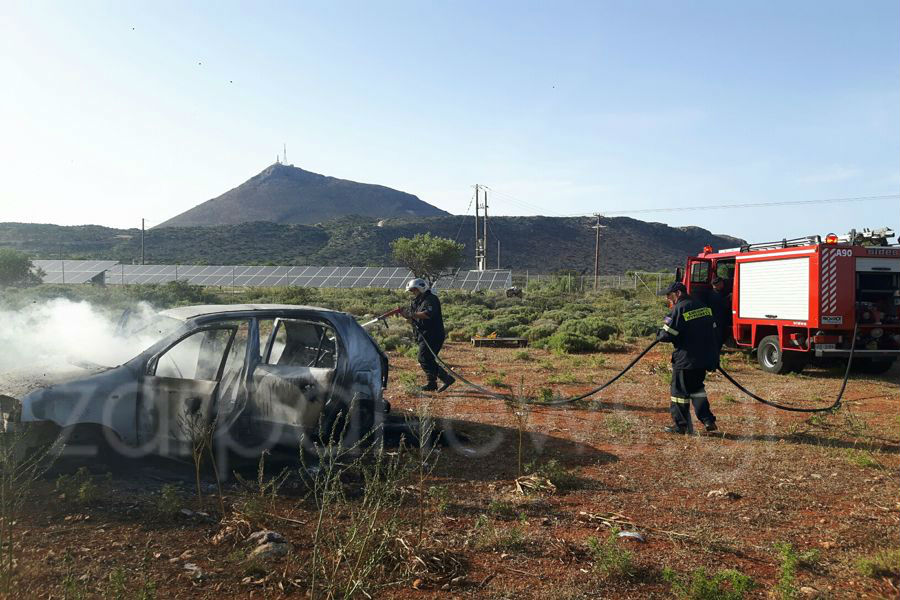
{"x": 20, "y": 382}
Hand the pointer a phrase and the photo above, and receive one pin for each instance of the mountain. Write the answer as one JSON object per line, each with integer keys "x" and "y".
{"x": 286, "y": 194}
{"x": 535, "y": 244}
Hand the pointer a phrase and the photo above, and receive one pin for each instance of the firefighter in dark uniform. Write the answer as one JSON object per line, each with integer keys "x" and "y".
{"x": 721, "y": 309}
{"x": 424, "y": 313}
{"x": 690, "y": 327}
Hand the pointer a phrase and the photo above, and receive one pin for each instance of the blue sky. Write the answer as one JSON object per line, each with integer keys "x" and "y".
{"x": 113, "y": 111}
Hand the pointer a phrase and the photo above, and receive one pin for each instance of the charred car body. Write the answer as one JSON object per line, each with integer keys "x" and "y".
{"x": 258, "y": 375}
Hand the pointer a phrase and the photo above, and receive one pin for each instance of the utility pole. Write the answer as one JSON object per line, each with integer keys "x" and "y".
{"x": 477, "y": 250}
{"x": 142, "y": 240}
{"x": 597, "y": 253}
{"x": 484, "y": 242}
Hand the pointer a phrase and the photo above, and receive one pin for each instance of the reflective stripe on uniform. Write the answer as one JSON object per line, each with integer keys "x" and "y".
{"x": 670, "y": 330}
{"x": 678, "y": 400}
{"x": 697, "y": 313}
{"x": 700, "y": 394}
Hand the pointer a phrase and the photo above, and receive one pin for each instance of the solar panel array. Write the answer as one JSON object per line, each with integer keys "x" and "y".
{"x": 477, "y": 280}
{"x": 300, "y": 276}
{"x": 72, "y": 271}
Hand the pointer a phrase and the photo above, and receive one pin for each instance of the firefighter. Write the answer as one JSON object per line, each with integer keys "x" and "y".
{"x": 691, "y": 329}
{"x": 425, "y": 315}
{"x": 721, "y": 308}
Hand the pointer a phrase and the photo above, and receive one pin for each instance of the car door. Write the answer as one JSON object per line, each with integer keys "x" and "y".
{"x": 180, "y": 389}
{"x": 294, "y": 379}
{"x": 700, "y": 273}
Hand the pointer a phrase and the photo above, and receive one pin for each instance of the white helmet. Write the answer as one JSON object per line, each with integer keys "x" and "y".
{"x": 417, "y": 284}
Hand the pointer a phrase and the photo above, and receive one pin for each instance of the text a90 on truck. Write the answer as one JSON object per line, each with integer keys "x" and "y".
{"x": 794, "y": 301}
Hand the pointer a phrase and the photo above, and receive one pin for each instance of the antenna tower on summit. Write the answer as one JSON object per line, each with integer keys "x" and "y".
{"x": 284, "y": 155}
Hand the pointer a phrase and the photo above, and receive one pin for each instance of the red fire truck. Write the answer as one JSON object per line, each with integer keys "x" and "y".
{"x": 800, "y": 299}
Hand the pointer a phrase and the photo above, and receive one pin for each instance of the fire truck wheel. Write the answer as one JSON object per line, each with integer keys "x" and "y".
{"x": 771, "y": 357}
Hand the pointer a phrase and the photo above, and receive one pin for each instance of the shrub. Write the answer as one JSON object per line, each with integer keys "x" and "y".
{"x": 502, "y": 509}
{"x": 562, "y": 378}
{"x": 787, "y": 570}
{"x": 459, "y": 335}
{"x": 610, "y": 560}
{"x": 613, "y": 346}
{"x": 864, "y": 459}
{"x": 727, "y": 584}
{"x": 392, "y": 342}
{"x": 540, "y": 330}
{"x": 596, "y": 327}
{"x": 563, "y": 478}
{"x": 571, "y": 343}
{"x": 884, "y": 564}
{"x": 641, "y": 325}
{"x": 168, "y": 503}
{"x": 80, "y": 486}
{"x": 508, "y": 539}
{"x": 502, "y": 326}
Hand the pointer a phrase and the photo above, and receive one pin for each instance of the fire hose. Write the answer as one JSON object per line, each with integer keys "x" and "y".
{"x": 505, "y": 397}
{"x": 834, "y": 406}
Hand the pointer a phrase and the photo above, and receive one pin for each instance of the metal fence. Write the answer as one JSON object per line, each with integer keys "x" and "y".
{"x": 112, "y": 273}
{"x": 649, "y": 282}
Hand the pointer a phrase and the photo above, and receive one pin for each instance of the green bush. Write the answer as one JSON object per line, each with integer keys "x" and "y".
{"x": 727, "y": 584}
{"x": 540, "y": 330}
{"x": 572, "y": 343}
{"x": 392, "y": 342}
{"x": 613, "y": 346}
{"x": 790, "y": 560}
{"x": 883, "y": 564}
{"x": 564, "y": 479}
{"x": 596, "y": 327}
{"x": 80, "y": 487}
{"x": 641, "y": 325}
{"x": 610, "y": 560}
{"x": 168, "y": 503}
{"x": 502, "y": 326}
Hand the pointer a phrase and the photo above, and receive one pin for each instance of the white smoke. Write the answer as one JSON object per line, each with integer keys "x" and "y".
{"x": 57, "y": 333}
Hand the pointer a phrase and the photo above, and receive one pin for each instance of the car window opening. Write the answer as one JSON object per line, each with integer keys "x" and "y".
{"x": 303, "y": 344}
{"x": 204, "y": 355}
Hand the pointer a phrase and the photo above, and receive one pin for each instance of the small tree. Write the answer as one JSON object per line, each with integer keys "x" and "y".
{"x": 16, "y": 268}
{"x": 428, "y": 256}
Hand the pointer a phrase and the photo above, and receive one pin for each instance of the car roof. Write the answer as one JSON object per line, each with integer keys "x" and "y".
{"x": 183, "y": 313}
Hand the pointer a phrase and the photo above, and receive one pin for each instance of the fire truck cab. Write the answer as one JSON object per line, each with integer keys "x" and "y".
{"x": 796, "y": 300}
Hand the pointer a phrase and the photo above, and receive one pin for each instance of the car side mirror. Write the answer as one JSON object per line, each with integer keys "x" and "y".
{"x": 679, "y": 274}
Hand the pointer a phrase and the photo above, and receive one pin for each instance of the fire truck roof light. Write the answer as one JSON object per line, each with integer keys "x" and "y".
{"x": 831, "y": 238}
{"x": 707, "y": 249}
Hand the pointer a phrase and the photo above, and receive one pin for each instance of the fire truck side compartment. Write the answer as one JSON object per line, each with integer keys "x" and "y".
{"x": 774, "y": 289}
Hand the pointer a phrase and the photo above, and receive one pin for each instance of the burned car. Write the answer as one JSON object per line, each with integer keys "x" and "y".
{"x": 257, "y": 375}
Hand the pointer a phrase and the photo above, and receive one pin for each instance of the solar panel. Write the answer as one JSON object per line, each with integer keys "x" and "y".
{"x": 72, "y": 271}
{"x": 295, "y": 276}
{"x": 477, "y": 280}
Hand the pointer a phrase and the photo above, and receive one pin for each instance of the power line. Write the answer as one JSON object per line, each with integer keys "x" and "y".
{"x": 521, "y": 203}
{"x": 462, "y": 221}
{"x": 745, "y": 205}
{"x": 524, "y": 204}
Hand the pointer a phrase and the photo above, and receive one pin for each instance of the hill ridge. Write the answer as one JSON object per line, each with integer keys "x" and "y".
{"x": 535, "y": 244}
{"x": 283, "y": 193}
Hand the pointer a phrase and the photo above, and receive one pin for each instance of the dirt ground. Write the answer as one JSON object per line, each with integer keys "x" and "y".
{"x": 826, "y": 482}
